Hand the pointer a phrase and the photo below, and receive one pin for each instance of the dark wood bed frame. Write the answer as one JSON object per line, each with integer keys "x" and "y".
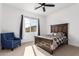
{"x": 60, "y": 28}
{"x": 48, "y": 42}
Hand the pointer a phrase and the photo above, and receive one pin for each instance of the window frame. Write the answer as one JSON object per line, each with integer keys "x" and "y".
{"x": 30, "y": 18}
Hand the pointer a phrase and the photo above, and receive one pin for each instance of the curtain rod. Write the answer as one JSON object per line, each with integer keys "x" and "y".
{"x": 30, "y": 17}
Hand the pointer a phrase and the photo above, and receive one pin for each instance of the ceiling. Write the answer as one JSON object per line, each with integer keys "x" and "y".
{"x": 30, "y": 7}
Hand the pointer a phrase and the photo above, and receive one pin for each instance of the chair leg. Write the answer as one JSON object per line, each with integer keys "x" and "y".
{"x": 2, "y": 48}
{"x": 12, "y": 49}
{"x": 20, "y": 44}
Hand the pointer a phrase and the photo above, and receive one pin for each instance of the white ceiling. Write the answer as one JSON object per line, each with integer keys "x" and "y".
{"x": 30, "y": 7}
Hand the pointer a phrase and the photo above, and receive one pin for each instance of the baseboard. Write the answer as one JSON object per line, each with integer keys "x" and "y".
{"x": 74, "y": 44}
{"x": 27, "y": 42}
{"x": 24, "y": 41}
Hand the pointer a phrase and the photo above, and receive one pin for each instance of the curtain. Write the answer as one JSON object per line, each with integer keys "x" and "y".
{"x": 21, "y": 27}
{"x": 38, "y": 27}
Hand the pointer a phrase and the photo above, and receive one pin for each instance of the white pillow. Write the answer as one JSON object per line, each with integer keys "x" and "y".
{"x": 54, "y": 33}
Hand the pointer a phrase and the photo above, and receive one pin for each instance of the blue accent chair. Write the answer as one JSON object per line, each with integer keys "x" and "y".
{"x": 9, "y": 41}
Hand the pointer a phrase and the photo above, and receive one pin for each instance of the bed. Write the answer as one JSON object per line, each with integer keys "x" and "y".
{"x": 57, "y": 38}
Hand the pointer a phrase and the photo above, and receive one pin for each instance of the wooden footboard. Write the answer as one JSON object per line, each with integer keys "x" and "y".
{"x": 44, "y": 43}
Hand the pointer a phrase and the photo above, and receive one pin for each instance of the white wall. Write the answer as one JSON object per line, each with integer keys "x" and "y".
{"x": 0, "y": 15}
{"x": 0, "y": 21}
{"x": 67, "y": 15}
{"x": 12, "y": 17}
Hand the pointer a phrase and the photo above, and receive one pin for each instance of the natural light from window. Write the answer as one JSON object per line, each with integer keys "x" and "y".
{"x": 31, "y": 25}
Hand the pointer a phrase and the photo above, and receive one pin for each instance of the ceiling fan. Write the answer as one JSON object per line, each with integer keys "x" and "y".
{"x": 43, "y": 5}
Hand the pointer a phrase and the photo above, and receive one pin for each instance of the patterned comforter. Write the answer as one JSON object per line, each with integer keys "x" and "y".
{"x": 57, "y": 41}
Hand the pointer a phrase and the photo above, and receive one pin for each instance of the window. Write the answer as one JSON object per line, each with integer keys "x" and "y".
{"x": 31, "y": 25}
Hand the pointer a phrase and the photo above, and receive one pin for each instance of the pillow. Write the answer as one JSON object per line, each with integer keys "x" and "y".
{"x": 54, "y": 34}
{"x": 49, "y": 35}
{"x": 61, "y": 34}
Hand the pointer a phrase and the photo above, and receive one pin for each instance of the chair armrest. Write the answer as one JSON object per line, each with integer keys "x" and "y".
{"x": 17, "y": 38}
{"x": 11, "y": 38}
{"x": 9, "y": 43}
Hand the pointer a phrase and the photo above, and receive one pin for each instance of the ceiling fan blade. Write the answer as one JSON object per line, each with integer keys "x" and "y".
{"x": 40, "y": 3}
{"x": 50, "y": 5}
{"x": 44, "y": 9}
{"x": 38, "y": 7}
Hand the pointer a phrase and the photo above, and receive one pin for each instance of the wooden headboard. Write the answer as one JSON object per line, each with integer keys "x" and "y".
{"x": 60, "y": 28}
